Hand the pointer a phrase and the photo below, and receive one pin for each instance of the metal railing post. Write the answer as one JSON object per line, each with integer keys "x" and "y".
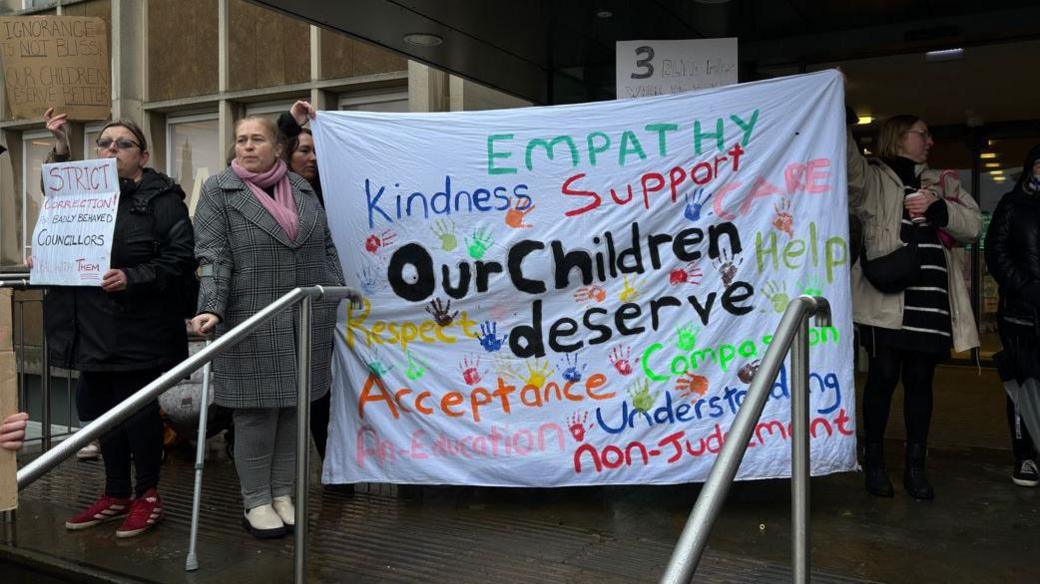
{"x": 191, "y": 562}
{"x": 303, "y": 402}
{"x": 800, "y": 453}
{"x": 45, "y": 390}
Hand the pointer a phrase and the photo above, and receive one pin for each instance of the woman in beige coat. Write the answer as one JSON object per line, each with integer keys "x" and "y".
{"x": 906, "y": 332}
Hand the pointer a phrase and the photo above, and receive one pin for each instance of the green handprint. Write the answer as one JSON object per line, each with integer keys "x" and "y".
{"x": 416, "y": 366}
{"x": 482, "y": 240}
{"x": 776, "y": 292}
{"x": 811, "y": 286}
{"x": 687, "y": 337}
{"x": 642, "y": 399}
{"x": 379, "y": 369}
{"x": 444, "y": 229}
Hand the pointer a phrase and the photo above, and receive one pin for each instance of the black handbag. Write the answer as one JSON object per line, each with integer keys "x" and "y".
{"x": 893, "y": 272}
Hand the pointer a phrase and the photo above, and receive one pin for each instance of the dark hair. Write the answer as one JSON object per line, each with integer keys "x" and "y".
{"x": 293, "y": 144}
{"x": 890, "y": 135}
{"x": 132, "y": 128}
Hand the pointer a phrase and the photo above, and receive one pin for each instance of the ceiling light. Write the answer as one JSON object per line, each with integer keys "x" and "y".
{"x": 944, "y": 55}
{"x": 988, "y": 155}
{"x": 992, "y": 165}
{"x": 422, "y": 39}
{"x": 999, "y": 179}
{"x": 604, "y": 14}
{"x": 864, "y": 120}
{"x": 996, "y": 172}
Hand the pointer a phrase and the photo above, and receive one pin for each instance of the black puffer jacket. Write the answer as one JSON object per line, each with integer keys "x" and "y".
{"x": 141, "y": 327}
{"x": 1013, "y": 249}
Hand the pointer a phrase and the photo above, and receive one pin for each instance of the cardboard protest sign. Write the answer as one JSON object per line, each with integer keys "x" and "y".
{"x": 582, "y": 294}
{"x": 8, "y": 403}
{"x": 59, "y": 61}
{"x": 646, "y": 68}
{"x": 72, "y": 241}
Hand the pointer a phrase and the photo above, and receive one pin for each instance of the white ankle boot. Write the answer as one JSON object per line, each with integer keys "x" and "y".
{"x": 284, "y": 507}
{"x": 264, "y": 522}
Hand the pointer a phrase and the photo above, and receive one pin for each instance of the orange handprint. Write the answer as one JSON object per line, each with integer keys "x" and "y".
{"x": 690, "y": 385}
{"x": 515, "y": 215}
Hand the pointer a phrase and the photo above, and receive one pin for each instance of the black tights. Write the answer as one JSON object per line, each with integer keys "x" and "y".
{"x": 139, "y": 439}
{"x": 917, "y": 370}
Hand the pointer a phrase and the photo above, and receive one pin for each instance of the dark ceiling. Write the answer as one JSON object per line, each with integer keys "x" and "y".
{"x": 562, "y": 51}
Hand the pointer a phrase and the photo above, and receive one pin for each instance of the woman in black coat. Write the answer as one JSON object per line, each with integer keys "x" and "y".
{"x": 124, "y": 334}
{"x": 1013, "y": 259}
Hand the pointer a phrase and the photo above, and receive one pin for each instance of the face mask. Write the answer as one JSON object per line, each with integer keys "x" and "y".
{"x": 1033, "y": 184}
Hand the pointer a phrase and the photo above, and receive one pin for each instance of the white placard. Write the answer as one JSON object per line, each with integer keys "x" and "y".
{"x": 646, "y": 68}
{"x": 580, "y": 294}
{"x": 72, "y": 241}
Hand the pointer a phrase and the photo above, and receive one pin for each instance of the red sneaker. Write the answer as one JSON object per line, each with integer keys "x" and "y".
{"x": 104, "y": 509}
{"x": 145, "y": 512}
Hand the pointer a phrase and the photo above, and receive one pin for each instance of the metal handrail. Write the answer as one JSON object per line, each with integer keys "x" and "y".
{"x": 792, "y": 330}
{"x": 121, "y": 412}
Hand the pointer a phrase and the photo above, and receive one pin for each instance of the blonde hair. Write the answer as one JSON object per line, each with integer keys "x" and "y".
{"x": 265, "y": 122}
{"x": 890, "y": 135}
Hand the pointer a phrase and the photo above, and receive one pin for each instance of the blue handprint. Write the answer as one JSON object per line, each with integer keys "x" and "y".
{"x": 693, "y": 208}
{"x": 367, "y": 278}
{"x": 488, "y": 336}
{"x": 571, "y": 372}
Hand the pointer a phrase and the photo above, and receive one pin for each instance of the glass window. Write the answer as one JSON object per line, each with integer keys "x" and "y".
{"x": 269, "y": 110}
{"x": 90, "y": 135}
{"x": 192, "y": 145}
{"x": 36, "y": 146}
{"x": 383, "y": 101}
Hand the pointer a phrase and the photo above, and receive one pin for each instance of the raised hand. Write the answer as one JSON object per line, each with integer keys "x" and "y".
{"x": 58, "y": 126}
{"x": 440, "y": 312}
{"x": 302, "y": 112}
{"x": 488, "y": 337}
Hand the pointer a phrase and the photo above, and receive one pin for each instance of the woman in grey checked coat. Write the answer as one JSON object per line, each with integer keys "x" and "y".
{"x": 260, "y": 232}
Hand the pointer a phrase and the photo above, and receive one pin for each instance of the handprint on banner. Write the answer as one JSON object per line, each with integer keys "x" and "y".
{"x": 537, "y": 373}
{"x": 379, "y": 369}
{"x": 416, "y": 366}
{"x": 727, "y": 265}
{"x": 746, "y": 374}
{"x": 621, "y": 359}
{"x": 691, "y": 385}
{"x": 691, "y": 274}
{"x": 576, "y": 424}
{"x": 693, "y": 208}
{"x": 488, "y": 336}
{"x": 642, "y": 399}
{"x": 444, "y": 230}
{"x": 571, "y": 372}
{"x": 505, "y": 367}
{"x": 368, "y": 278}
{"x": 687, "y": 337}
{"x": 470, "y": 369}
{"x": 482, "y": 240}
{"x": 374, "y": 243}
{"x": 515, "y": 215}
{"x": 776, "y": 292}
{"x": 590, "y": 294}
{"x": 811, "y": 285}
{"x": 784, "y": 221}
{"x": 629, "y": 292}
{"x": 441, "y": 313}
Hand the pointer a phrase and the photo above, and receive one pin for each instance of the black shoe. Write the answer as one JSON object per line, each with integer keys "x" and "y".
{"x": 876, "y": 475}
{"x": 914, "y": 477}
{"x": 1026, "y": 474}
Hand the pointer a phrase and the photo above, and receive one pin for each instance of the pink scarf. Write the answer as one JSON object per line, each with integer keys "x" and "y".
{"x": 283, "y": 206}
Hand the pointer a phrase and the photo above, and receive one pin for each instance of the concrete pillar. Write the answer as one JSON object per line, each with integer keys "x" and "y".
{"x": 428, "y": 89}
{"x": 226, "y": 110}
{"x": 129, "y": 50}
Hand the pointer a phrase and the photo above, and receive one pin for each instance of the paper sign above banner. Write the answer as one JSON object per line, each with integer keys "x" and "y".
{"x": 59, "y": 61}
{"x": 581, "y": 294}
{"x": 646, "y": 68}
{"x": 72, "y": 241}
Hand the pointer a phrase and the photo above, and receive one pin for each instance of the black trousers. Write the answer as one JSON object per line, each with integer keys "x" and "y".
{"x": 320, "y": 422}
{"x": 917, "y": 370}
{"x": 1021, "y": 442}
{"x": 137, "y": 441}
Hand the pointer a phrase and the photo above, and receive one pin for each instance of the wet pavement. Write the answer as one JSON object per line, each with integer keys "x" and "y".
{"x": 980, "y": 528}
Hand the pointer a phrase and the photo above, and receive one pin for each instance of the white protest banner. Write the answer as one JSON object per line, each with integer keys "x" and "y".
{"x": 646, "y": 68}
{"x": 72, "y": 241}
{"x": 581, "y": 294}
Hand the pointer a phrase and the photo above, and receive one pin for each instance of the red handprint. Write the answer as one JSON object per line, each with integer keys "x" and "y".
{"x": 620, "y": 358}
{"x": 784, "y": 221}
{"x": 593, "y": 293}
{"x": 470, "y": 370}
{"x": 576, "y": 424}
{"x": 374, "y": 243}
{"x": 690, "y": 385}
{"x": 690, "y": 274}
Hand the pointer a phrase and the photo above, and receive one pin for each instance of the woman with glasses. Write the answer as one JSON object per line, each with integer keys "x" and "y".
{"x": 914, "y": 218}
{"x": 123, "y": 334}
{"x": 261, "y": 233}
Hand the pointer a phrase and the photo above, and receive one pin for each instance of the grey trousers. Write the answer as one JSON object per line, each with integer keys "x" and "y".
{"x": 265, "y": 453}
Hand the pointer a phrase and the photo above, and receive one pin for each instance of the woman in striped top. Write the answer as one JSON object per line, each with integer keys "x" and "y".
{"x": 906, "y": 334}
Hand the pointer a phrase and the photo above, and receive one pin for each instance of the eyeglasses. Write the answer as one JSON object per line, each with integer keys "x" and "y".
{"x": 925, "y": 134}
{"x": 122, "y": 143}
